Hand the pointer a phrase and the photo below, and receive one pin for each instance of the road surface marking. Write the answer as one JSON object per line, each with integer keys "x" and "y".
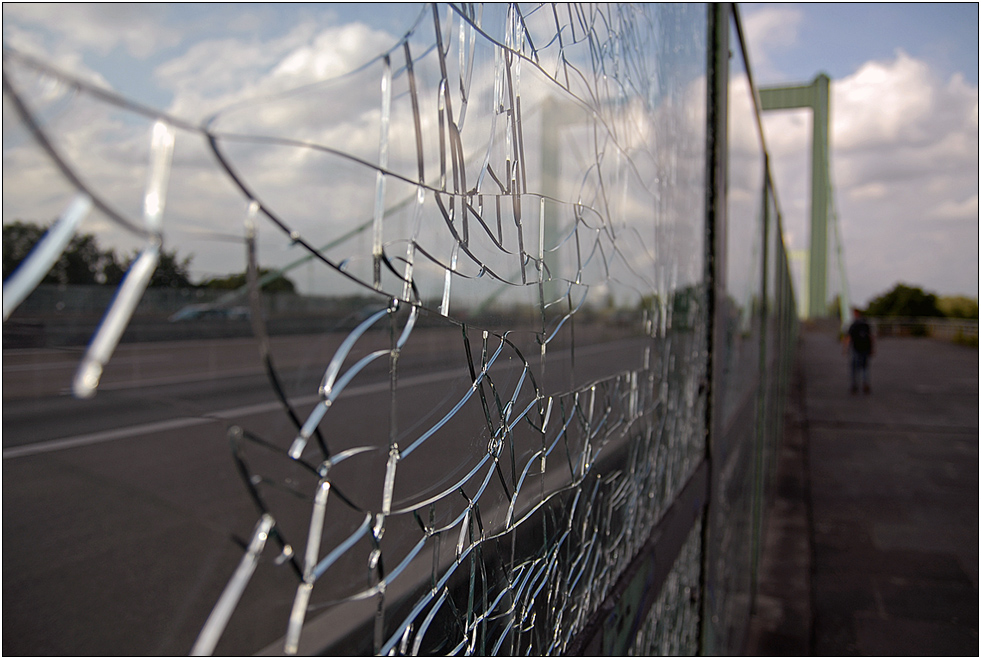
{"x": 259, "y": 408}
{"x": 212, "y": 417}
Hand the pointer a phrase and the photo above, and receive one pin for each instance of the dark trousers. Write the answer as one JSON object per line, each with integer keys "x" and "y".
{"x": 860, "y": 369}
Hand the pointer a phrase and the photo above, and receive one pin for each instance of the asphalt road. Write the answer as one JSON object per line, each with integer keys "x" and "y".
{"x": 125, "y": 515}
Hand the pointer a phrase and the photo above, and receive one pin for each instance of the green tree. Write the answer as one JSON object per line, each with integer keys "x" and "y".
{"x": 114, "y": 269}
{"x": 171, "y": 272}
{"x": 280, "y": 284}
{"x": 18, "y": 240}
{"x": 83, "y": 262}
{"x": 958, "y": 306}
{"x": 904, "y": 302}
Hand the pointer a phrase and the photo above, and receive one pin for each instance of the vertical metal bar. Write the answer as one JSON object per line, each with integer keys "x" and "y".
{"x": 818, "y": 280}
{"x": 717, "y": 81}
{"x": 555, "y": 116}
{"x": 763, "y": 383}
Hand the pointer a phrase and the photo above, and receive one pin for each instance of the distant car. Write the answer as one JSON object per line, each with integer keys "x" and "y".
{"x": 210, "y": 312}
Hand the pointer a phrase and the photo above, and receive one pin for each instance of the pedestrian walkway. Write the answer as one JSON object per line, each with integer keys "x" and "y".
{"x": 872, "y": 543}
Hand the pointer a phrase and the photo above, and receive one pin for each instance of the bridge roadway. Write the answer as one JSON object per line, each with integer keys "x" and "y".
{"x": 121, "y": 513}
{"x": 872, "y": 543}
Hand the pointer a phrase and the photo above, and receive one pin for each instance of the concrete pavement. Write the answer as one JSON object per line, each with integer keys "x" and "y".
{"x": 872, "y": 541}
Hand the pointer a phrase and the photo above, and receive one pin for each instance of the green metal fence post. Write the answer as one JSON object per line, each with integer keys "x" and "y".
{"x": 717, "y": 113}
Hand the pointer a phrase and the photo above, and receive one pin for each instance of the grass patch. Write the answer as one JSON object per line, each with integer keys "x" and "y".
{"x": 962, "y": 340}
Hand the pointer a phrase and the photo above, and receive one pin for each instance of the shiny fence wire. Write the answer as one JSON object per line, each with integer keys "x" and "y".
{"x": 521, "y": 328}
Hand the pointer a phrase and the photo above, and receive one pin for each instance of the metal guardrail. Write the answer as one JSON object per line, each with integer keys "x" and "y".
{"x": 948, "y": 329}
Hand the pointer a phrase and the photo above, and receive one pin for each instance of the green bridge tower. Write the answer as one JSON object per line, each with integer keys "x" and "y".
{"x": 813, "y": 96}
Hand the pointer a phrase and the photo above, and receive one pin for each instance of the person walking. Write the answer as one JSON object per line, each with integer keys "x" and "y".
{"x": 862, "y": 346}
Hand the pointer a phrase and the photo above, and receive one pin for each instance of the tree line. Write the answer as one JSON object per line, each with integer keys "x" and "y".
{"x": 905, "y": 301}
{"x": 84, "y": 262}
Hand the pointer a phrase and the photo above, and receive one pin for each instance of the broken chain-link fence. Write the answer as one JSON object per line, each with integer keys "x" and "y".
{"x": 444, "y": 339}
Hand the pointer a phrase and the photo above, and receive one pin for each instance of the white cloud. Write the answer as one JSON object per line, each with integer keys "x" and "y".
{"x": 905, "y": 168}
{"x": 875, "y": 190}
{"x": 769, "y": 32}
{"x": 905, "y": 142}
{"x": 952, "y": 209}
{"x": 215, "y": 74}
{"x": 139, "y": 28}
{"x": 33, "y": 43}
{"x": 897, "y": 124}
{"x": 247, "y": 76}
{"x": 885, "y": 103}
{"x": 333, "y": 52}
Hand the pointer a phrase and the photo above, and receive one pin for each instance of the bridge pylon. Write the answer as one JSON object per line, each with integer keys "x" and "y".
{"x": 816, "y": 97}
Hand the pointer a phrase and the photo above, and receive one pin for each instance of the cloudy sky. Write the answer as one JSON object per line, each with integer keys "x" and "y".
{"x": 314, "y": 73}
{"x": 904, "y": 102}
{"x": 904, "y": 134}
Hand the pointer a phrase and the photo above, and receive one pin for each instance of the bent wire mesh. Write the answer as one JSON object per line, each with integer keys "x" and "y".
{"x": 386, "y": 332}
